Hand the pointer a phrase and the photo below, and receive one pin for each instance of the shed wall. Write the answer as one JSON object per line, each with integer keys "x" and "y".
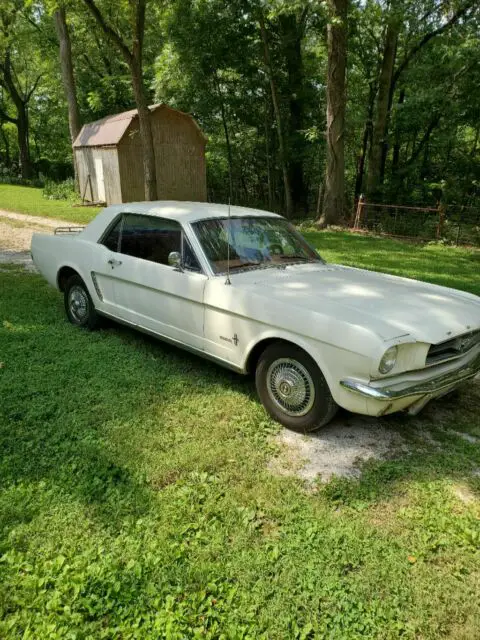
{"x": 179, "y": 159}
{"x": 85, "y": 159}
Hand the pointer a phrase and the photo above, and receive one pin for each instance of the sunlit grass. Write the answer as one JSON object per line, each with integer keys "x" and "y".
{"x": 30, "y": 200}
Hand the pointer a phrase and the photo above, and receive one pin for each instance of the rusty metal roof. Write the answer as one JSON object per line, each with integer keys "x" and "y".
{"x": 110, "y": 130}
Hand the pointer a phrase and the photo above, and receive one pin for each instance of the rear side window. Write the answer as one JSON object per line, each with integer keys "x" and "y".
{"x": 150, "y": 238}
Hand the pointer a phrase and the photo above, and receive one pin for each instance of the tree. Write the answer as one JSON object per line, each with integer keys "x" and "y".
{"x": 68, "y": 78}
{"x": 133, "y": 57}
{"x": 334, "y": 199}
{"x": 66, "y": 67}
{"x": 278, "y": 116}
{"x": 389, "y": 76}
{"x": 19, "y": 89}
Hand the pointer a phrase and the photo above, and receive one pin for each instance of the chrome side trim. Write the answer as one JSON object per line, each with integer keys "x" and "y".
{"x": 414, "y": 388}
{"x": 176, "y": 343}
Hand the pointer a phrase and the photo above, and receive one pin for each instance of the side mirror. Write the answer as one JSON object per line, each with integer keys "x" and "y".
{"x": 175, "y": 260}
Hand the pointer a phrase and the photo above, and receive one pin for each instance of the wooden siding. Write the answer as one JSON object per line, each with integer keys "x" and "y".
{"x": 85, "y": 158}
{"x": 179, "y": 159}
{"x": 130, "y": 160}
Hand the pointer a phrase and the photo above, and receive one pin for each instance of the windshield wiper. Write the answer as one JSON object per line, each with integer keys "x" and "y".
{"x": 296, "y": 257}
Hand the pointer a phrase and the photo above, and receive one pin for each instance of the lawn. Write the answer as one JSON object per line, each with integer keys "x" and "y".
{"x": 136, "y": 499}
{"x": 30, "y": 200}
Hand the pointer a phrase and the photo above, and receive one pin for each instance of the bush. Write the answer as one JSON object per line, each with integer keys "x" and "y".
{"x": 12, "y": 175}
{"x": 60, "y": 190}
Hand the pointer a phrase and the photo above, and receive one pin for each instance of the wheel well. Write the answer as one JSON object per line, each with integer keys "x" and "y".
{"x": 63, "y": 275}
{"x": 259, "y": 348}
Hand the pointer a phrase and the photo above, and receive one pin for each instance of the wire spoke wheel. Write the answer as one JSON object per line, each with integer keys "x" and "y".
{"x": 78, "y": 303}
{"x": 290, "y": 386}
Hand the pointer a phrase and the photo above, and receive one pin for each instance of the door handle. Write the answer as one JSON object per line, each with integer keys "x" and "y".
{"x": 114, "y": 263}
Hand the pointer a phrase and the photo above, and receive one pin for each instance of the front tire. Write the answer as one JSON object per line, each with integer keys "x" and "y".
{"x": 293, "y": 389}
{"x": 79, "y": 305}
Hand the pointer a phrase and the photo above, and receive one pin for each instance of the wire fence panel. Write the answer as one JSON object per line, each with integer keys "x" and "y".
{"x": 459, "y": 225}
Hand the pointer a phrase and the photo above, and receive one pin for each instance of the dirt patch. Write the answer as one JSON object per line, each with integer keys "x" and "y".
{"x": 349, "y": 440}
{"x": 337, "y": 449}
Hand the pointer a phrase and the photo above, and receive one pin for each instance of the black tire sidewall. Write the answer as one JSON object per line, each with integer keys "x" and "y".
{"x": 324, "y": 406}
{"x": 91, "y": 320}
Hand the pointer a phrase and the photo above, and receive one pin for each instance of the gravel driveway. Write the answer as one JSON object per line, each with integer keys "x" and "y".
{"x": 16, "y": 231}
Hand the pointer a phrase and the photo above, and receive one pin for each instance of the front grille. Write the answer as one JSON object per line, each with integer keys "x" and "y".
{"x": 452, "y": 348}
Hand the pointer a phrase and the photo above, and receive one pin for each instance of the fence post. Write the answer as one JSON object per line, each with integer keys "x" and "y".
{"x": 441, "y": 219}
{"x": 358, "y": 215}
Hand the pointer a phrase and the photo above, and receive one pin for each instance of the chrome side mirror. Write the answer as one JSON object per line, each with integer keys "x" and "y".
{"x": 175, "y": 260}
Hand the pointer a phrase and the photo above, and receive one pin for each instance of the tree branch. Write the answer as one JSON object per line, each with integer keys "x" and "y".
{"x": 109, "y": 31}
{"x": 6, "y": 118}
{"x": 426, "y": 136}
{"x": 427, "y": 37}
{"x": 32, "y": 90}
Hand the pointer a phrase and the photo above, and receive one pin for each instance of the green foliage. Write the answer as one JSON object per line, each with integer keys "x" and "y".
{"x": 60, "y": 190}
{"x": 205, "y": 57}
{"x": 136, "y": 500}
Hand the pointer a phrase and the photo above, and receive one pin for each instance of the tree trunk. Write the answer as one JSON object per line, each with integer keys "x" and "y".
{"x": 22, "y": 137}
{"x": 396, "y": 146}
{"x": 6, "y": 143}
{"x": 278, "y": 118}
{"x": 267, "y": 158}
{"x": 379, "y": 136}
{"x": 68, "y": 80}
{"x": 227, "y": 137}
{"x": 66, "y": 67}
{"x": 145, "y": 125}
{"x": 367, "y": 133}
{"x": 21, "y": 121}
{"x": 334, "y": 198}
{"x": 292, "y": 34}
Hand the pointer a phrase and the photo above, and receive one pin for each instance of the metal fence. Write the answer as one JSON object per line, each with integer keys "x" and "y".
{"x": 459, "y": 225}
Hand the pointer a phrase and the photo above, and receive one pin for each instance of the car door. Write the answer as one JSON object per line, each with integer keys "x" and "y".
{"x": 104, "y": 257}
{"x": 149, "y": 292}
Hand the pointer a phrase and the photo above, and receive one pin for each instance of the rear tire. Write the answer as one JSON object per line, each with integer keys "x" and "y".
{"x": 293, "y": 389}
{"x": 79, "y": 305}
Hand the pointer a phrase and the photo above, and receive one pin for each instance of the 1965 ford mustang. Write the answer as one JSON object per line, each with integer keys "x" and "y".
{"x": 245, "y": 289}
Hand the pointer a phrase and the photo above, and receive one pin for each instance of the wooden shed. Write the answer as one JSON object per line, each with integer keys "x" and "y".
{"x": 108, "y": 156}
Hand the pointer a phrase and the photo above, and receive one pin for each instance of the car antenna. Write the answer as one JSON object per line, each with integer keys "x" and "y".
{"x": 228, "y": 281}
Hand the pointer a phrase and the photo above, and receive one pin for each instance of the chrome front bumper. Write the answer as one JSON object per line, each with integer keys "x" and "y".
{"x": 395, "y": 390}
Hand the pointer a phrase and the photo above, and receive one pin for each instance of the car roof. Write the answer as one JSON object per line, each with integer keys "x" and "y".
{"x": 186, "y": 211}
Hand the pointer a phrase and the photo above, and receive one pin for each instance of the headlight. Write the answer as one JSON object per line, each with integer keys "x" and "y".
{"x": 388, "y": 360}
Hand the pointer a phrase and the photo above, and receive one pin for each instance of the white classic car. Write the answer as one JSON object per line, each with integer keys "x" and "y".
{"x": 244, "y": 288}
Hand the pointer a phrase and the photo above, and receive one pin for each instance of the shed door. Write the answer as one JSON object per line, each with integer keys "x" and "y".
{"x": 100, "y": 179}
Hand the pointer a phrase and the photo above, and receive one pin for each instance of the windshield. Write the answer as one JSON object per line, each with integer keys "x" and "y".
{"x": 252, "y": 242}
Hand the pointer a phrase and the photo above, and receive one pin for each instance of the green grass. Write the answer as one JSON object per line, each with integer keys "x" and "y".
{"x": 136, "y": 500}
{"x": 31, "y": 201}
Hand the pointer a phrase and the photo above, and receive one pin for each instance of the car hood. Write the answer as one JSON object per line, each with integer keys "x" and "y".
{"x": 389, "y": 305}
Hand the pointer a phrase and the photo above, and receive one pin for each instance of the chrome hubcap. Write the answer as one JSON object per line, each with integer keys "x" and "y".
{"x": 78, "y": 303}
{"x": 290, "y": 386}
